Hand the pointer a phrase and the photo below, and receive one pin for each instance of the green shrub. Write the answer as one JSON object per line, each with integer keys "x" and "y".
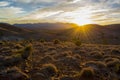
{"x": 27, "y": 51}
{"x": 56, "y": 41}
{"x": 42, "y": 40}
{"x": 1, "y": 43}
{"x": 78, "y": 43}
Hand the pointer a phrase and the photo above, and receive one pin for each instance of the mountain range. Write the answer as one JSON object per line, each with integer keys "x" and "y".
{"x": 90, "y": 33}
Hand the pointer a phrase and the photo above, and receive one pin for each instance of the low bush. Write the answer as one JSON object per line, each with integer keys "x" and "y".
{"x": 86, "y": 74}
{"x": 42, "y": 40}
{"x": 56, "y": 41}
{"x": 27, "y": 51}
{"x": 114, "y": 65}
{"x": 49, "y": 70}
{"x": 77, "y": 42}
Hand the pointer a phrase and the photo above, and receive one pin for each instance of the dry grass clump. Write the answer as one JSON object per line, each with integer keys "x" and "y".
{"x": 95, "y": 64}
{"x": 51, "y": 48}
{"x": 46, "y": 72}
{"x": 86, "y": 74}
{"x": 107, "y": 56}
{"x": 18, "y": 46}
{"x": 96, "y": 55}
{"x": 66, "y": 78}
{"x": 2, "y": 43}
{"x": 46, "y": 59}
{"x": 80, "y": 52}
{"x": 77, "y": 42}
{"x": 56, "y": 41}
{"x": 68, "y": 63}
{"x": 114, "y": 65}
{"x": 13, "y": 74}
{"x": 115, "y": 52}
{"x": 49, "y": 69}
{"x": 42, "y": 40}
{"x": 27, "y": 51}
{"x": 110, "y": 59}
{"x": 77, "y": 56}
{"x": 11, "y": 60}
{"x": 62, "y": 55}
{"x": 17, "y": 58}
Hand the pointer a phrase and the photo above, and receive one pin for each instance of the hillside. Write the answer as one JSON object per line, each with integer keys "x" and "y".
{"x": 58, "y": 61}
{"x": 91, "y": 33}
{"x": 11, "y": 32}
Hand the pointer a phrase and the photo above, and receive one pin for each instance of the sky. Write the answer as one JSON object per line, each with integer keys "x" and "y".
{"x": 67, "y": 11}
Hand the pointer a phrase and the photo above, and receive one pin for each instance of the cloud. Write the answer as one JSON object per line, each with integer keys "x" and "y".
{"x": 63, "y": 10}
{"x": 35, "y": 1}
{"x": 41, "y": 15}
{"x": 10, "y": 12}
{"x": 4, "y": 3}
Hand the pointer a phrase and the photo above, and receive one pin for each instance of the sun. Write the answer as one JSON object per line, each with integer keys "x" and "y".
{"x": 82, "y": 17}
{"x": 82, "y": 21}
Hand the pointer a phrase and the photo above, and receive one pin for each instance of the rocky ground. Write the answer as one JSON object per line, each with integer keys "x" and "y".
{"x": 39, "y": 60}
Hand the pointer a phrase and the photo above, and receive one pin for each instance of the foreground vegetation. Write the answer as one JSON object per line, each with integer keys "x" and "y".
{"x": 56, "y": 60}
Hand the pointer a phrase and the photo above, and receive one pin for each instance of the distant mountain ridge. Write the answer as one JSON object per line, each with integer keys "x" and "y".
{"x": 90, "y": 33}
{"x": 46, "y": 25}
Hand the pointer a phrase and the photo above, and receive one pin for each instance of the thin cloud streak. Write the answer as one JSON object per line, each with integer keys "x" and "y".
{"x": 62, "y": 11}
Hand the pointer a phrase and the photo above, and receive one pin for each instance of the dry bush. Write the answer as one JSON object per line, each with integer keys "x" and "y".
{"x": 77, "y": 56}
{"x": 52, "y": 53}
{"x": 42, "y": 40}
{"x": 46, "y": 72}
{"x": 27, "y": 51}
{"x": 86, "y": 74}
{"x": 49, "y": 69}
{"x": 115, "y": 52}
{"x": 114, "y": 65}
{"x": 2, "y": 43}
{"x": 11, "y": 60}
{"x": 51, "y": 48}
{"x": 68, "y": 63}
{"x": 56, "y": 41}
{"x": 17, "y": 58}
{"x": 62, "y": 55}
{"x": 96, "y": 55}
{"x": 13, "y": 74}
{"x": 18, "y": 46}
{"x": 78, "y": 43}
{"x": 107, "y": 56}
{"x": 95, "y": 64}
{"x": 110, "y": 59}
{"x": 80, "y": 52}
{"x": 66, "y": 78}
{"x": 46, "y": 59}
